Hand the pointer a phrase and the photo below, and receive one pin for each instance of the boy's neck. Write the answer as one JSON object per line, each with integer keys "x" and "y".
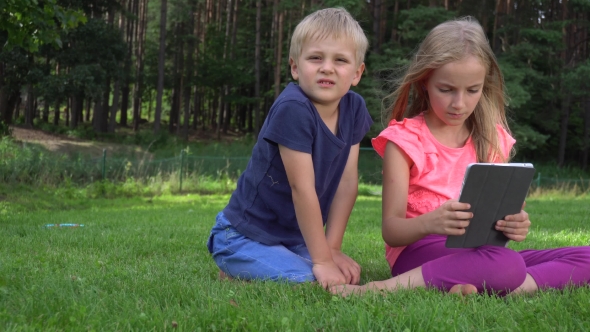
{"x": 329, "y": 115}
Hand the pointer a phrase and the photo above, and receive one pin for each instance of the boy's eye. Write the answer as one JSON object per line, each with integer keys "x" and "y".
{"x": 342, "y": 60}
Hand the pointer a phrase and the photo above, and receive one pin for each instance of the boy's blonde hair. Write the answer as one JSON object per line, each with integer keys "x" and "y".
{"x": 452, "y": 41}
{"x": 330, "y": 22}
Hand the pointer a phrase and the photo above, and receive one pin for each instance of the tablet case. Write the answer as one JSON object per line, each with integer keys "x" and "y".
{"x": 493, "y": 191}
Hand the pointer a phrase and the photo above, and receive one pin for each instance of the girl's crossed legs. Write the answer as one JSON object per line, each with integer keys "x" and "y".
{"x": 494, "y": 269}
{"x": 428, "y": 263}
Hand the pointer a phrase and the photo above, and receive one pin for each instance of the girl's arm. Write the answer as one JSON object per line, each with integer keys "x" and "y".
{"x": 397, "y": 230}
{"x": 339, "y": 214}
{"x": 299, "y": 168}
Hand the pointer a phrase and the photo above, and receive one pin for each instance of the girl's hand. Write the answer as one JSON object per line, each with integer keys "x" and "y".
{"x": 515, "y": 226}
{"x": 450, "y": 218}
{"x": 349, "y": 268}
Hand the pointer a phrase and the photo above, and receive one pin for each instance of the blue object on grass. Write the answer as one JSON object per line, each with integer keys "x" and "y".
{"x": 64, "y": 225}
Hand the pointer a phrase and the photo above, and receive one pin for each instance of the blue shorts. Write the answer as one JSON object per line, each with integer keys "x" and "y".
{"x": 246, "y": 259}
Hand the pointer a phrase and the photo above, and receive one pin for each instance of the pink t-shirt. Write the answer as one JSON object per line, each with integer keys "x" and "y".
{"x": 437, "y": 173}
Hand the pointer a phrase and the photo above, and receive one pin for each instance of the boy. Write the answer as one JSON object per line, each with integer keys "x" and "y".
{"x": 303, "y": 171}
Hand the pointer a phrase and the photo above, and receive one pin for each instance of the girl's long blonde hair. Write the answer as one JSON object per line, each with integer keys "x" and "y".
{"x": 448, "y": 42}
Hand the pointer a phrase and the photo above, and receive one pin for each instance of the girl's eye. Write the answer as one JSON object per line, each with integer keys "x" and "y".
{"x": 473, "y": 91}
{"x": 444, "y": 90}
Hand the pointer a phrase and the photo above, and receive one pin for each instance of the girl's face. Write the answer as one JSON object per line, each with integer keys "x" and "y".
{"x": 455, "y": 89}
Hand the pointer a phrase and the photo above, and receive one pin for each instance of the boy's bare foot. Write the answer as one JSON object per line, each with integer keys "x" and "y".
{"x": 463, "y": 290}
{"x": 224, "y": 276}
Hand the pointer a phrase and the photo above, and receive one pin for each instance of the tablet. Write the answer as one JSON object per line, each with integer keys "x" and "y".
{"x": 493, "y": 191}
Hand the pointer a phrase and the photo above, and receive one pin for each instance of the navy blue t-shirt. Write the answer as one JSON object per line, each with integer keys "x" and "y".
{"x": 261, "y": 207}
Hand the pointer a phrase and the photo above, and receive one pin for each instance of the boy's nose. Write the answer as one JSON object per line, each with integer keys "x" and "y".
{"x": 327, "y": 67}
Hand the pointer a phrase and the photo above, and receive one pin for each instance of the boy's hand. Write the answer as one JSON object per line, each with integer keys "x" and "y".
{"x": 328, "y": 275}
{"x": 349, "y": 268}
{"x": 450, "y": 218}
{"x": 515, "y": 226}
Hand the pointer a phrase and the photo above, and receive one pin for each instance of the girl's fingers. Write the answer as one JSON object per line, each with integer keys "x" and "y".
{"x": 514, "y": 224}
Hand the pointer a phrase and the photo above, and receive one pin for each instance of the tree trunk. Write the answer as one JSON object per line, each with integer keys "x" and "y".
{"x": 232, "y": 47}
{"x": 223, "y": 112}
{"x": 376, "y": 25}
{"x": 6, "y": 105}
{"x": 77, "y": 106}
{"x": 129, "y": 27}
{"x": 45, "y": 111}
{"x": 88, "y": 109}
{"x": 196, "y": 96}
{"x": 138, "y": 86}
{"x": 382, "y": 22}
{"x": 114, "y": 107}
{"x": 161, "y": 59}
{"x": 103, "y": 123}
{"x": 56, "y": 112}
{"x": 256, "y": 109}
{"x": 564, "y": 121}
{"x": 174, "y": 125}
{"x": 189, "y": 70}
{"x": 586, "y": 134}
{"x": 279, "y": 54}
{"x": 394, "y": 35}
{"x": 30, "y": 106}
{"x": 566, "y": 95}
{"x": 3, "y": 95}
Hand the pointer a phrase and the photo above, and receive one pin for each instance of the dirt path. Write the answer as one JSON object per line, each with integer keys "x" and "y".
{"x": 69, "y": 145}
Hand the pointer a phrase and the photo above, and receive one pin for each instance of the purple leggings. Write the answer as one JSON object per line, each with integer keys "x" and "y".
{"x": 493, "y": 269}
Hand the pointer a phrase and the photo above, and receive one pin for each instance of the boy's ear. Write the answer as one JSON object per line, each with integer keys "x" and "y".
{"x": 358, "y": 74}
{"x": 294, "y": 69}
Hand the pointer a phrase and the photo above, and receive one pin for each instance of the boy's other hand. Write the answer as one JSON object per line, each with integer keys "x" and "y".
{"x": 328, "y": 275}
{"x": 349, "y": 268}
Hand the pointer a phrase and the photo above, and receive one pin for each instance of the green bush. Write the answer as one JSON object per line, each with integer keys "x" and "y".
{"x": 5, "y": 129}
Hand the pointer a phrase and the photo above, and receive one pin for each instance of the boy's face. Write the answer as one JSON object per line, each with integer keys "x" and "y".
{"x": 325, "y": 70}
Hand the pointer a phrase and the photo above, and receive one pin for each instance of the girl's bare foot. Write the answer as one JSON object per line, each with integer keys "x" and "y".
{"x": 463, "y": 290}
{"x": 345, "y": 290}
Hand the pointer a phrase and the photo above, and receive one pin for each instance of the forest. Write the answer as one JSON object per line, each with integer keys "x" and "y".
{"x": 187, "y": 66}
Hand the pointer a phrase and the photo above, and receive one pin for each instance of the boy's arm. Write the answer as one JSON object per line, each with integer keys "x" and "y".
{"x": 299, "y": 168}
{"x": 340, "y": 210}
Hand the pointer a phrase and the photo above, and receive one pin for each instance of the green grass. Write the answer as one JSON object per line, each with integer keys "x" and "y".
{"x": 141, "y": 264}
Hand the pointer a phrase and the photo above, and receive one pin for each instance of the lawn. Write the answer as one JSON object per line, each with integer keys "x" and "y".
{"x": 141, "y": 264}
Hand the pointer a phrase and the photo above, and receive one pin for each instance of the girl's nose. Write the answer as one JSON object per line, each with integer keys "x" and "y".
{"x": 458, "y": 101}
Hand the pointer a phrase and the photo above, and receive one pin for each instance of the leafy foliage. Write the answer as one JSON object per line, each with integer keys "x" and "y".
{"x": 32, "y": 23}
{"x": 539, "y": 44}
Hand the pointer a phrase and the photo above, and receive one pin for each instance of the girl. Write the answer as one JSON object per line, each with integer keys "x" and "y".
{"x": 448, "y": 111}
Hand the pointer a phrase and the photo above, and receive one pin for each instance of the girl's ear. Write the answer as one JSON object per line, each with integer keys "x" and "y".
{"x": 294, "y": 69}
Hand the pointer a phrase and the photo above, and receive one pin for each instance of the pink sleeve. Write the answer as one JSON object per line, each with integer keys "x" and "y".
{"x": 406, "y": 135}
{"x": 506, "y": 141}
